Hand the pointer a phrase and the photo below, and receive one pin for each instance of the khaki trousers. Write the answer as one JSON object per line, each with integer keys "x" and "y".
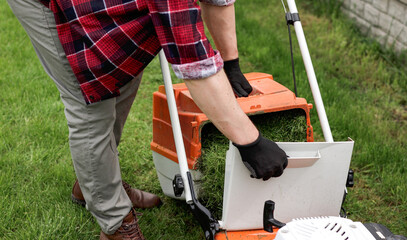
{"x": 94, "y": 130}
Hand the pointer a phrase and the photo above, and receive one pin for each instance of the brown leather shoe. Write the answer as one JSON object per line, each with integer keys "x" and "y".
{"x": 140, "y": 199}
{"x": 129, "y": 230}
{"x": 77, "y": 196}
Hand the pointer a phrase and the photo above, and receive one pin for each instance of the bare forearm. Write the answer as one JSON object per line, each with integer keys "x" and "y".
{"x": 220, "y": 21}
{"x": 214, "y": 96}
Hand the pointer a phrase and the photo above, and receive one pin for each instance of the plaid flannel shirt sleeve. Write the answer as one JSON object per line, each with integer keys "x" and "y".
{"x": 180, "y": 30}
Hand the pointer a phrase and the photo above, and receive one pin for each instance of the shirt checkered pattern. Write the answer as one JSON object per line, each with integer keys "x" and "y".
{"x": 109, "y": 42}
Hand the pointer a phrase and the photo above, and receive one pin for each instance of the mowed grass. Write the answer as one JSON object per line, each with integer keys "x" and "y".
{"x": 364, "y": 94}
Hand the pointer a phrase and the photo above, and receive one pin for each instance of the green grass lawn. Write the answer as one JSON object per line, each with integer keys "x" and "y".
{"x": 364, "y": 91}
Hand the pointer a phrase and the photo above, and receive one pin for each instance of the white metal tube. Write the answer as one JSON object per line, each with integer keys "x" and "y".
{"x": 176, "y": 127}
{"x": 323, "y": 119}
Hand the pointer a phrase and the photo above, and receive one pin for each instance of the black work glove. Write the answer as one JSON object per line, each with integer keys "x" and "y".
{"x": 263, "y": 158}
{"x": 239, "y": 83}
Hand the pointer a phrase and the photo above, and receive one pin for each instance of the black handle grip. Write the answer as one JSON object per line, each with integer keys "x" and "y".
{"x": 268, "y": 217}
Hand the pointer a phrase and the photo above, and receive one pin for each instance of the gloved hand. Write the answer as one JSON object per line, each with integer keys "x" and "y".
{"x": 263, "y": 158}
{"x": 239, "y": 83}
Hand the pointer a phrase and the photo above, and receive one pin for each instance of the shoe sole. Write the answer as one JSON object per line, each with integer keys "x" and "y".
{"x": 78, "y": 201}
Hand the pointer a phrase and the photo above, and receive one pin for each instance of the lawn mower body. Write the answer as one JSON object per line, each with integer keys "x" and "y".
{"x": 312, "y": 185}
{"x": 267, "y": 96}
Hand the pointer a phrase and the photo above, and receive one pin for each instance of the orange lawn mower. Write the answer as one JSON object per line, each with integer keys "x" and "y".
{"x": 307, "y": 199}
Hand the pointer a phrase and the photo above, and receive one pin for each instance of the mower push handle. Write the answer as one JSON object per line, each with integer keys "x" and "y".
{"x": 176, "y": 127}
{"x": 208, "y": 223}
{"x": 312, "y": 79}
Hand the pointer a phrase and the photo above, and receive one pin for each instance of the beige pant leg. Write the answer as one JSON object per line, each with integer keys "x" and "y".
{"x": 94, "y": 130}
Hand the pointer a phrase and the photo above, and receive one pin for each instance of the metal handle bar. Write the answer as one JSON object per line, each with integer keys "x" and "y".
{"x": 176, "y": 127}
{"x": 323, "y": 119}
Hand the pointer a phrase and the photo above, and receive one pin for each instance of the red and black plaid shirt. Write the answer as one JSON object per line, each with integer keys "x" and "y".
{"x": 109, "y": 42}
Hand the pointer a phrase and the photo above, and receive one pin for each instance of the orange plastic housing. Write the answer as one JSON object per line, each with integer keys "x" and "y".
{"x": 246, "y": 235}
{"x": 267, "y": 96}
